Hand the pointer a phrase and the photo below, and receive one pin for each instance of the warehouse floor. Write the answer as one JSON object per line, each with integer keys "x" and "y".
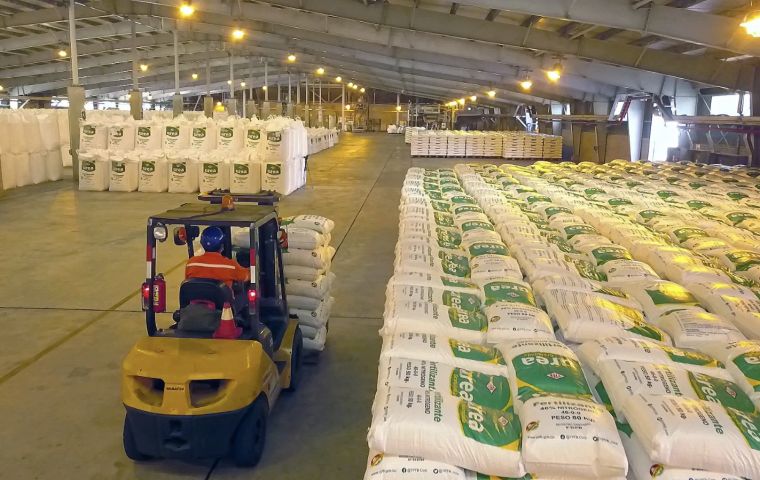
{"x": 72, "y": 266}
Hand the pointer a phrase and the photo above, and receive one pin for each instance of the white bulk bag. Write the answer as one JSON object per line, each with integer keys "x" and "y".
{"x": 213, "y": 173}
{"x": 37, "y": 167}
{"x": 443, "y": 428}
{"x": 8, "y": 170}
{"x": 53, "y": 165}
{"x": 485, "y": 389}
{"x": 94, "y": 170}
{"x": 124, "y": 175}
{"x": 121, "y": 137}
{"x": 32, "y": 137}
{"x": 279, "y": 141}
{"x": 149, "y": 136}
{"x": 50, "y": 137}
{"x": 7, "y": 145}
{"x": 230, "y": 135}
{"x": 93, "y": 136}
{"x": 23, "y": 169}
{"x": 245, "y": 175}
{"x": 253, "y": 134}
{"x": 62, "y": 118}
{"x": 153, "y": 173}
{"x": 183, "y": 171}
{"x": 203, "y": 136}
{"x": 177, "y": 135}
{"x": 686, "y": 433}
{"x": 66, "y": 155}
{"x": 274, "y": 178}
{"x": 564, "y": 437}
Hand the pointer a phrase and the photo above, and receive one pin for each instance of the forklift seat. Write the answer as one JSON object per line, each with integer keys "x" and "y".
{"x": 205, "y": 289}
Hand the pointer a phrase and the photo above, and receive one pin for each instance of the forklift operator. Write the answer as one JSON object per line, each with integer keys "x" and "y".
{"x": 212, "y": 264}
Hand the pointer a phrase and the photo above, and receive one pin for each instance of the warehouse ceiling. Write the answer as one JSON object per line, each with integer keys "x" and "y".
{"x": 434, "y": 48}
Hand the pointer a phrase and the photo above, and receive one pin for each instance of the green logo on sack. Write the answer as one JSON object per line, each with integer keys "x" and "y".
{"x": 605, "y": 254}
{"x": 179, "y": 168}
{"x": 683, "y": 234}
{"x": 118, "y": 167}
{"x": 455, "y": 265}
{"x": 490, "y": 427}
{"x": 698, "y": 204}
{"x": 477, "y": 353}
{"x": 448, "y": 237}
{"x": 474, "y": 225}
{"x": 721, "y": 391}
{"x": 441, "y": 206}
{"x": 226, "y": 132}
{"x": 616, "y": 202}
{"x": 463, "y": 199}
{"x": 148, "y": 166}
{"x": 496, "y": 292}
{"x": 88, "y": 130}
{"x": 240, "y": 169}
{"x": 210, "y": 168}
{"x": 468, "y": 319}
{"x": 172, "y": 131}
{"x": 143, "y": 132}
{"x": 573, "y": 230}
{"x": 748, "y": 424}
{"x": 749, "y": 364}
{"x": 650, "y": 214}
{"x": 669, "y": 294}
{"x": 487, "y": 248}
{"x": 551, "y": 211}
{"x": 88, "y": 166}
{"x": 443, "y": 220}
{"x": 540, "y": 373}
{"x": 273, "y": 169}
{"x": 274, "y": 137}
{"x": 467, "y": 209}
{"x": 736, "y": 217}
{"x": 491, "y": 391}
{"x": 199, "y": 132}
{"x": 464, "y": 301}
{"x": 254, "y": 135}
{"x": 117, "y": 132}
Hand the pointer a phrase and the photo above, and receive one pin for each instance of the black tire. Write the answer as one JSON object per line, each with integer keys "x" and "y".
{"x": 296, "y": 361}
{"x": 250, "y": 437}
{"x": 130, "y": 446}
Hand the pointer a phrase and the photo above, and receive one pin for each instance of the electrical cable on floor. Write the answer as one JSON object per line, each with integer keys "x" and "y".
{"x": 211, "y": 470}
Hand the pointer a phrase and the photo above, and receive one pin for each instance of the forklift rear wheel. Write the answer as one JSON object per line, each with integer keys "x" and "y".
{"x": 250, "y": 437}
{"x": 130, "y": 447}
{"x": 296, "y": 361}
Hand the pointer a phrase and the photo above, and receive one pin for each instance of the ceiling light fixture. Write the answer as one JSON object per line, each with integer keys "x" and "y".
{"x": 186, "y": 9}
{"x": 238, "y": 34}
{"x": 143, "y": 67}
{"x": 320, "y": 71}
{"x": 291, "y": 58}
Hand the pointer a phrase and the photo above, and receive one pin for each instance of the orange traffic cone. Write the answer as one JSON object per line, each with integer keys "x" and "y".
{"x": 227, "y": 328}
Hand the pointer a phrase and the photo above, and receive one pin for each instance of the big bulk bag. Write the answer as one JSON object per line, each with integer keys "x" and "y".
{"x": 177, "y": 135}
{"x": 124, "y": 172}
{"x": 48, "y": 124}
{"x": 8, "y": 170}
{"x": 230, "y": 135}
{"x": 213, "y": 173}
{"x": 23, "y": 169}
{"x": 62, "y": 118}
{"x": 279, "y": 141}
{"x": 203, "y": 137}
{"x": 273, "y": 177}
{"x": 153, "y": 174}
{"x": 66, "y": 155}
{"x": 93, "y": 170}
{"x": 53, "y": 165}
{"x": 183, "y": 172}
{"x": 37, "y": 167}
{"x": 32, "y": 138}
{"x": 245, "y": 175}
{"x": 149, "y": 136}
{"x": 93, "y": 136}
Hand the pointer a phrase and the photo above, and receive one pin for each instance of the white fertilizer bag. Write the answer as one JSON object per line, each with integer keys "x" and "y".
{"x": 303, "y": 238}
{"x": 298, "y": 272}
{"x": 432, "y": 318}
{"x": 316, "y": 258}
{"x": 660, "y": 297}
{"x": 318, "y": 289}
{"x": 121, "y": 137}
{"x": 124, "y": 175}
{"x": 203, "y": 136}
{"x": 94, "y": 171}
{"x": 316, "y": 223}
{"x": 316, "y": 344}
{"x": 584, "y": 316}
{"x": 640, "y": 350}
{"x": 734, "y": 303}
{"x": 544, "y": 285}
{"x": 37, "y": 167}
{"x": 623, "y": 379}
{"x": 742, "y": 360}
{"x": 485, "y": 389}
{"x": 698, "y": 330}
{"x": 154, "y": 175}
{"x": 149, "y": 136}
{"x": 453, "y": 265}
{"x": 643, "y": 468}
{"x": 509, "y": 321}
{"x": 183, "y": 171}
{"x": 622, "y": 272}
{"x": 443, "y": 428}
{"x": 420, "y": 346}
{"x": 245, "y": 176}
{"x": 686, "y": 433}
{"x": 177, "y": 135}
{"x": 543, "y": 367}
{"x": 469, "y": 301}
{"x": 231, "y": 135}
{"x": 392, "y": 467}
{"x": 53, "y": 165}
{"x": 93, "y": 136}
{"x": 314, "y": 318}
{"x": 304, "y": 303}
{"x": 427, "y": 279}
{"x": 564, "y": 436}
{"x": 213, "y": 174}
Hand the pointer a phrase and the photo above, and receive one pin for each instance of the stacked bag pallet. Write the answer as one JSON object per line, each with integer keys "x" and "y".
{"x": 192, "y": 153}
{"x": 30, "y": 147}
{"x": 309, "y": 279}
{"x": 477, "y": 144}
{"x": 409, "y": 132}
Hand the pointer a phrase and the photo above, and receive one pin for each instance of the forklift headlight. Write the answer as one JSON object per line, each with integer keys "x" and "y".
{"x": 160, "y": 232}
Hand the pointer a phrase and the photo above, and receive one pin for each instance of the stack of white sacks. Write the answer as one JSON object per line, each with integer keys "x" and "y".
{"x": 307, "y": 262}
{"x": 31, "y": 147}
{"x": 568, "y": 368}
{"x": 483, "y": 144}
{"x": 193, "y": 153}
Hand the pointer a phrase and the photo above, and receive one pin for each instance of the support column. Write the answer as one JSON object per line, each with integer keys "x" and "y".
{"x": 208, "y": 101}
{"x": 266, "y": 81}
{"x": 135, "y": 96}
{"x": 754, "y": 160}
{"x": 306, "y": 91}
{"x": 75, "y": 93}
{"x": 636, "y": 127}
{"x": 343, "y": 107}
{"x": 398, "y": 109}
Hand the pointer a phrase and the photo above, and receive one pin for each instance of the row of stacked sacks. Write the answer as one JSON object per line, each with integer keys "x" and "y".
{"x": 471, "y": 377}
{"x": 242, "y": 155}
{"x": 484, "y": 144}
{"x": 33, "y": 146}
{"x": 307, "y": 260}
{"x": 677, "y": 408}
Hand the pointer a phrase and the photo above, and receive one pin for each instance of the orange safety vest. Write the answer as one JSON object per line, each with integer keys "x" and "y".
{"x": 216, "y": 266}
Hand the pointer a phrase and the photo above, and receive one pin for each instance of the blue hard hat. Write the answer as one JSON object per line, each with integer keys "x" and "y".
{"x": 212, "y": 239}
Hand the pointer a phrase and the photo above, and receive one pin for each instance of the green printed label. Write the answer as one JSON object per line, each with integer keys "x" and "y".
{"x": 443, "y": 219}
{"x": 486, "y": 248}
{"x": 540, "y": 373}
{"x": 736, "y": 195}
{"x": 226, "y": 132}
{"x": 431, "y": 187}
{"x": 669, "y": 294}
{"x": 633, "y": 183}
{"x": 588, "y": 270}
{"x": 240, "y": 169}
{"x": 749, "y": 364}
{"x": 537, "y": 198}
{"x": 642, "y": 328}
{"x": 665, "y": 194}
{"x": 683, "y": 234}
{"x": 508, "y": 292}
{"x": 463, "y": 199}
{"x": 477, "y": 353}
{"x": 451, "y": 237}
{"x": 118, "y": 167}
{"x": 88, "y": 129}
{"x": 590, "y": 192}
{"x": 748, "y": 424}
{"x": 148, "y": 166}
{"x": 697, "y": 185}
{"x": 274, "y": 137}
{"x": 455, "y": 265}
{"x": 467, "y": 209}
{"x": 254, "y": 135}
{"x": 603, "y": 255}
{"x": 743, "y": 260}
{"x": 573, "y": 230}
{"x": 179, "y": 167}
{"x": 88, "y": 166}
{"x": 464, "y": 301}
{"x": 698, "y": 204}
{"x": 721, "y": 391}
{"x": 117, "y": 132}
{"x": 450, "y": 282}
{"x": 441, "y": 206}
{"x": 273, "y": 169}
{"x": 736, "y": 217}
{"x": 468, "y": 319}
{"x": 650, "y": 214}
{"x": 451, "y": 188}
{"x": 434, "y": 195}
{"x": 199, "y": 132}
{"x": 616, "y": 202}
{"x": 172, "y": 131}
{"x": 474, "y": 225}
{"x": 551, "y": 211}
{"x": 143, "y": 132}
{"x": 490, "y": 427}
{"x": 210, "y": 168}
{"x": 491, "y": 391}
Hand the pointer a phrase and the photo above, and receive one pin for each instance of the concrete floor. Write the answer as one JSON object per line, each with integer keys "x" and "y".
{"x": 72, "y": 264}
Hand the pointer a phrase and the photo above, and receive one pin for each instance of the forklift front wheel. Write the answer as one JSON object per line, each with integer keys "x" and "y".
{"x": 130, "y": 447}
{"x": 251, "y": 434}
{"x": 296, "y": 361}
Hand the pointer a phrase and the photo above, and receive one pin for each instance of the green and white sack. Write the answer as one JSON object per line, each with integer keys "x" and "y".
{"x": 431, "y": 318}
{"x": 154, "y": 173}
{"x": 395, "y": 467}
{"x": 469, "y": 301}
{"x": 698, "y": 330}
{"x": 510, "y": 321}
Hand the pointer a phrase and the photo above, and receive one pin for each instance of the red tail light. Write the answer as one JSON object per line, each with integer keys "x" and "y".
{"x": 146, "y": 291}
{"x": 251, "y": 296}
